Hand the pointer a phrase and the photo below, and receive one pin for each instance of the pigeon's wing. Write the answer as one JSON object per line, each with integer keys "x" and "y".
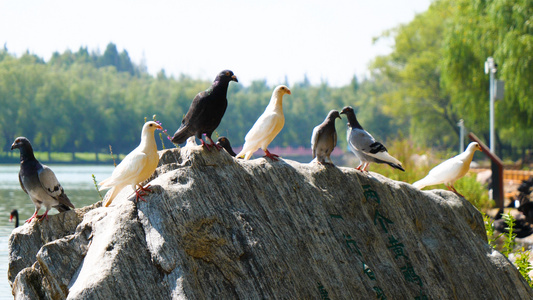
{"x": 363, "y": 141}
{"x": 127, "y": 171}
{"x": 263, "y": 128}
{"x": 49, "y": 182}
{"x": 52, "y": 186}
{"x": 448, "y": 170}
{"x": 22, "y": 185}
{"x": 314, "y": 139}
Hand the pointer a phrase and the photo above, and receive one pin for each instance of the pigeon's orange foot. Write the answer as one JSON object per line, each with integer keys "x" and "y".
{"x": 273, "y": 157}
{"x": 206, "y": 145}
{"x": 213, "y": 144}
{"x": 33, "y": 217}
{"x": 44, "y": 216}
{"x": 142, "y": 191}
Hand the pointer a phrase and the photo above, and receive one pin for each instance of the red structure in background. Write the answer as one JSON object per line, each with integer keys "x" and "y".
{"x": 290, "y": 151}
{"x": 497, "y": 173}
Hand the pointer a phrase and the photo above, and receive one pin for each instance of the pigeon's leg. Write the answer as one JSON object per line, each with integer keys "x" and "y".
{"x": 452, "y": 188}
{"x": 217, "y": 146}
{"x": 142, "y": 191}
{"x": 205, "y": 144}
{"x": 366, "y": 167}
{"x": 359, "y": 166}
{"x": 273, "y": 157}
{"x": 45, "y": 215}
{"x": 33, "y": 217}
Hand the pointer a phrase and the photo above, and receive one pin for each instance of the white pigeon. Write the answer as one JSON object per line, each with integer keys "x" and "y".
{"x": 450, "y": 170}
{"x": 267, "y": 126}
{"x": 135, "y": 168}
{"x": 364, "y": 146}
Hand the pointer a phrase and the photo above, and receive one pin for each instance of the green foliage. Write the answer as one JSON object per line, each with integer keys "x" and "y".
{"x": 520, "y": 256}
{"x": 489, "y": 228}
{"x": 509, "y": 241}
{"x": 523, "y": 265}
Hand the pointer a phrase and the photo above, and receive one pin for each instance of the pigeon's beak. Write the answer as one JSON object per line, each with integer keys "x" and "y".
{"x": 13, "y": 146}
{"x": 159, "y": 127}
{"x": 234, "y": 78}
{"x": 289, "y": 92}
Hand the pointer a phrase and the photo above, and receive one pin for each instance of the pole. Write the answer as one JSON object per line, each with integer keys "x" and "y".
{"x": 461, "y": 125}
{"x": 490, "y": 68}
{"x": 492, "y": 136}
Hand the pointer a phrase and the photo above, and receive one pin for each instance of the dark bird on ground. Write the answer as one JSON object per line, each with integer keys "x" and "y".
{"x": 14, "y": 214}
{"x": 39, "y": 181}
{"x": 324, "y": 138}
{"x": 206, "y": 111}
{"x": 364, "y": 146}
{"x": 224, "y": 143}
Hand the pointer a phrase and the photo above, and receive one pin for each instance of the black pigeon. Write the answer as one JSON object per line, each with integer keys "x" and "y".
{"x": 324, "y": 138}
{"x": 39, "y": 182}
{"x": 224, "y": 143}
{"x": 206, "y": 111}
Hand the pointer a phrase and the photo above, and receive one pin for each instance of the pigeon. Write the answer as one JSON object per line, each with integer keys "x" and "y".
{"x": 450, "y": 170}
{"x": 364, "y": 146}
{"x": 135, "y": 168}
{"x": 206, "y": 111}
{"x": 266, "y": 127}
{"x": 39, "y": 182}
{"x": 14, "y": 214}
{"x": 224, "y": 143}
{"x": 324, "y": 138}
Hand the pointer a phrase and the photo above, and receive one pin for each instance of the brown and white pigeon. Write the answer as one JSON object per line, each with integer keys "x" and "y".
{"x": 267, "y": 127}
{"x": 206, "y": 111}
{"x": 324, "y": 138}
{"x": 135, "y": 168}
{"x": 39, "y": 182}
{"x": 364, "y": 146}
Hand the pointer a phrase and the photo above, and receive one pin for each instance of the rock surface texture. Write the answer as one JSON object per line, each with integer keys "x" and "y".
{"x": 219, "y": 228}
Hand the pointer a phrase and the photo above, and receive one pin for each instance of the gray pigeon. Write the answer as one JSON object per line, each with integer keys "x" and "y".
{"x": 324, "y": 138}
{"x": 39, "y": 182}
{"x": 364, "y": 146}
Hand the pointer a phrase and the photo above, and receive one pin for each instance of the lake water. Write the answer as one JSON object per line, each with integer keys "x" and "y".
{"x": 78, "y": 184}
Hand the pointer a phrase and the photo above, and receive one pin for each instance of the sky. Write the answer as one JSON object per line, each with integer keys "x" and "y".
{"x": 277, "y": 40}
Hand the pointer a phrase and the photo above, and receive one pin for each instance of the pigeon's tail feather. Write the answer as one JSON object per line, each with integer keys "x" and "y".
{"x": 181, "y": 135}
{"x": 61, "y": 207}
{"x": 396, "y": 166}
{"x": 420, "y": 184}
{"x": 110, "y": 196}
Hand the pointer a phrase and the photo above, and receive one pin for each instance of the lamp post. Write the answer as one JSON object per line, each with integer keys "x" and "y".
{"x": 490, "y": 68}
{"x": 461, "y": 125}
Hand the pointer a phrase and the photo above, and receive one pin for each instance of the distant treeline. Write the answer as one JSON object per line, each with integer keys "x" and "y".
{"x": 84, "y": 102}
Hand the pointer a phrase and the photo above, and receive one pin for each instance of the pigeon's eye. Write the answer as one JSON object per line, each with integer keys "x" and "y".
{"x": 227, "y": 73}
{"x": 151, "y": 125}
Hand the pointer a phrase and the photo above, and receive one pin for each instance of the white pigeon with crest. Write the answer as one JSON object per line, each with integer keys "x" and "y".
{"x": 135, "y": 168}
{"x": 267, "y": 127}
{"x": 450, "y": 170}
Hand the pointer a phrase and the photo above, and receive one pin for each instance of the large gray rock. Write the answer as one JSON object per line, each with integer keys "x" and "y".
{"x": 220, "y": 228}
